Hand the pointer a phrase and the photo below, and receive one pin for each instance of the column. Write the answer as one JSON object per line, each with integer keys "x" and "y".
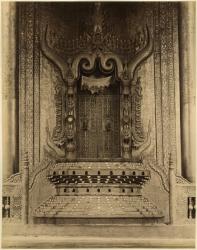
{"x": 187, "y": 87}
{"x": 9, "y": 103}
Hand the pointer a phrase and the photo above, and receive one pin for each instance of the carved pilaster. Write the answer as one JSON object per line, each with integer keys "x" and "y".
{"x": 29, "y": 27}
{"x": 157, "y": 83}
{"x": 36, "y": 86}
{"x": 70, "y": 122}
{"x": 172, "y": 189}
{"x": 126, "y": 119}
{"x": 136, "y": 124}
{"x": 25, "y": 190}
{"x": 26, "y": 82}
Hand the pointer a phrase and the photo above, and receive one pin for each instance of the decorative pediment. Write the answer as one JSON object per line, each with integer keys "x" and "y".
{"x": 107, "y": 47}
{"x": 103, "y": 49}
{"x": 97, "y": 37}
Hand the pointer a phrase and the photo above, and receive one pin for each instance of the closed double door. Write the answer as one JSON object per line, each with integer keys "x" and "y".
{"x": 98, "y": 126}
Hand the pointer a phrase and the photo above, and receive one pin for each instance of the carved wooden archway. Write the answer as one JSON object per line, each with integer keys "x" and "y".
{"x": 125, "y": 72}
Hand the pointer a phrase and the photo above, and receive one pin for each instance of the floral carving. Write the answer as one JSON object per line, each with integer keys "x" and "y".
{"x": 96, "y": 49}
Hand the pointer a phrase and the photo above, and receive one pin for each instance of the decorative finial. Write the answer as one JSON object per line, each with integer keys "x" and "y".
{"x": 98, "y": 18}
{"x": 170, "y": 161}
{"x": 26, "y": 160}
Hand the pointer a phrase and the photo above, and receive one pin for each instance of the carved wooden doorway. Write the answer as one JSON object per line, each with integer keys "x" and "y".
{"x": 98, "y": 129}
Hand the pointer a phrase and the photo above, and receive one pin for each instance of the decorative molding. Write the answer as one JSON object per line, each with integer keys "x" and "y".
{"x": 157, "y": 86}
{"x": 22, "y": 86}
{"x": 59, "y": 132}
{"x": 164, "y": 40}
{"x": 136, "y": 98}
{"x": 29, "y": 81}
{"x": 171, "y": 83}
{"x": 164, "y": 84}
{"x": 36, "y": 85}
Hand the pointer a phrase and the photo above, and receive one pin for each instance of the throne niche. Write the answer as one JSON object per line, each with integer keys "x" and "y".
{"x": 98, "y": 171}
{"x": 100, "y": 150}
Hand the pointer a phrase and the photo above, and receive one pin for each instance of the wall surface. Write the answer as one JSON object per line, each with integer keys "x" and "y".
{"x": 40, "y": 79}
{"x": 41, "y": 85}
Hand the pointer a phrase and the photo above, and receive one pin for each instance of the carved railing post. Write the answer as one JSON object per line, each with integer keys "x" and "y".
{"x": 172, "y": 187}
{"x": 126, "y": 119}
{"x": 71, "y": 117}
{"x": 25, "y": 191}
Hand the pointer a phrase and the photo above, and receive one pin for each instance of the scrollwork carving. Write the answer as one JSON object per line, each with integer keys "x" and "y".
{"x": 52, "y": 55}
{"x": 87, "y": 61}
{"x": 54, "y": 149}
{"x": 109, "y": 61}
{"x": 58, "y": 132}
{"x": 136, "y": 97}
{"x": 142, "y": 55}
{"x": 94, "y": 48}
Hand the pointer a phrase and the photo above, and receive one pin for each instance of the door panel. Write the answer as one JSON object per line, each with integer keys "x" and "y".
{"x": 98, "y": 131}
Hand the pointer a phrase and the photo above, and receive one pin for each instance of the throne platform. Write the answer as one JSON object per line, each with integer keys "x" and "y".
{"x": 98, "y": 192}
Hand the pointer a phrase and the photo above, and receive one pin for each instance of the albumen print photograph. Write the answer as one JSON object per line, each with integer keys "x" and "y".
{"x": 98, "y": 124}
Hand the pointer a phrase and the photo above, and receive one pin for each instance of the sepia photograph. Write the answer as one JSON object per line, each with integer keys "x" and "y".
{"x": 98, "y": 124}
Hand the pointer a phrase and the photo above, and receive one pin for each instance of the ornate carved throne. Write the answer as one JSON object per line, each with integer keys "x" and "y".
{"x": 98, "y": 124}
{"x": 99, "y": 119}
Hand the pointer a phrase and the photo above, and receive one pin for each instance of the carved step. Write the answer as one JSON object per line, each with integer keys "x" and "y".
{"x": 97, "y": 206}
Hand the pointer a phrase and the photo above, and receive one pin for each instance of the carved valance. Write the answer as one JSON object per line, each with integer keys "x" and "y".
{"x": 95, "y": 85}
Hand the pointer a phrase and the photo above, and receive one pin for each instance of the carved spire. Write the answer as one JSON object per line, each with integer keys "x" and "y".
{"x": 98, "y": 20}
